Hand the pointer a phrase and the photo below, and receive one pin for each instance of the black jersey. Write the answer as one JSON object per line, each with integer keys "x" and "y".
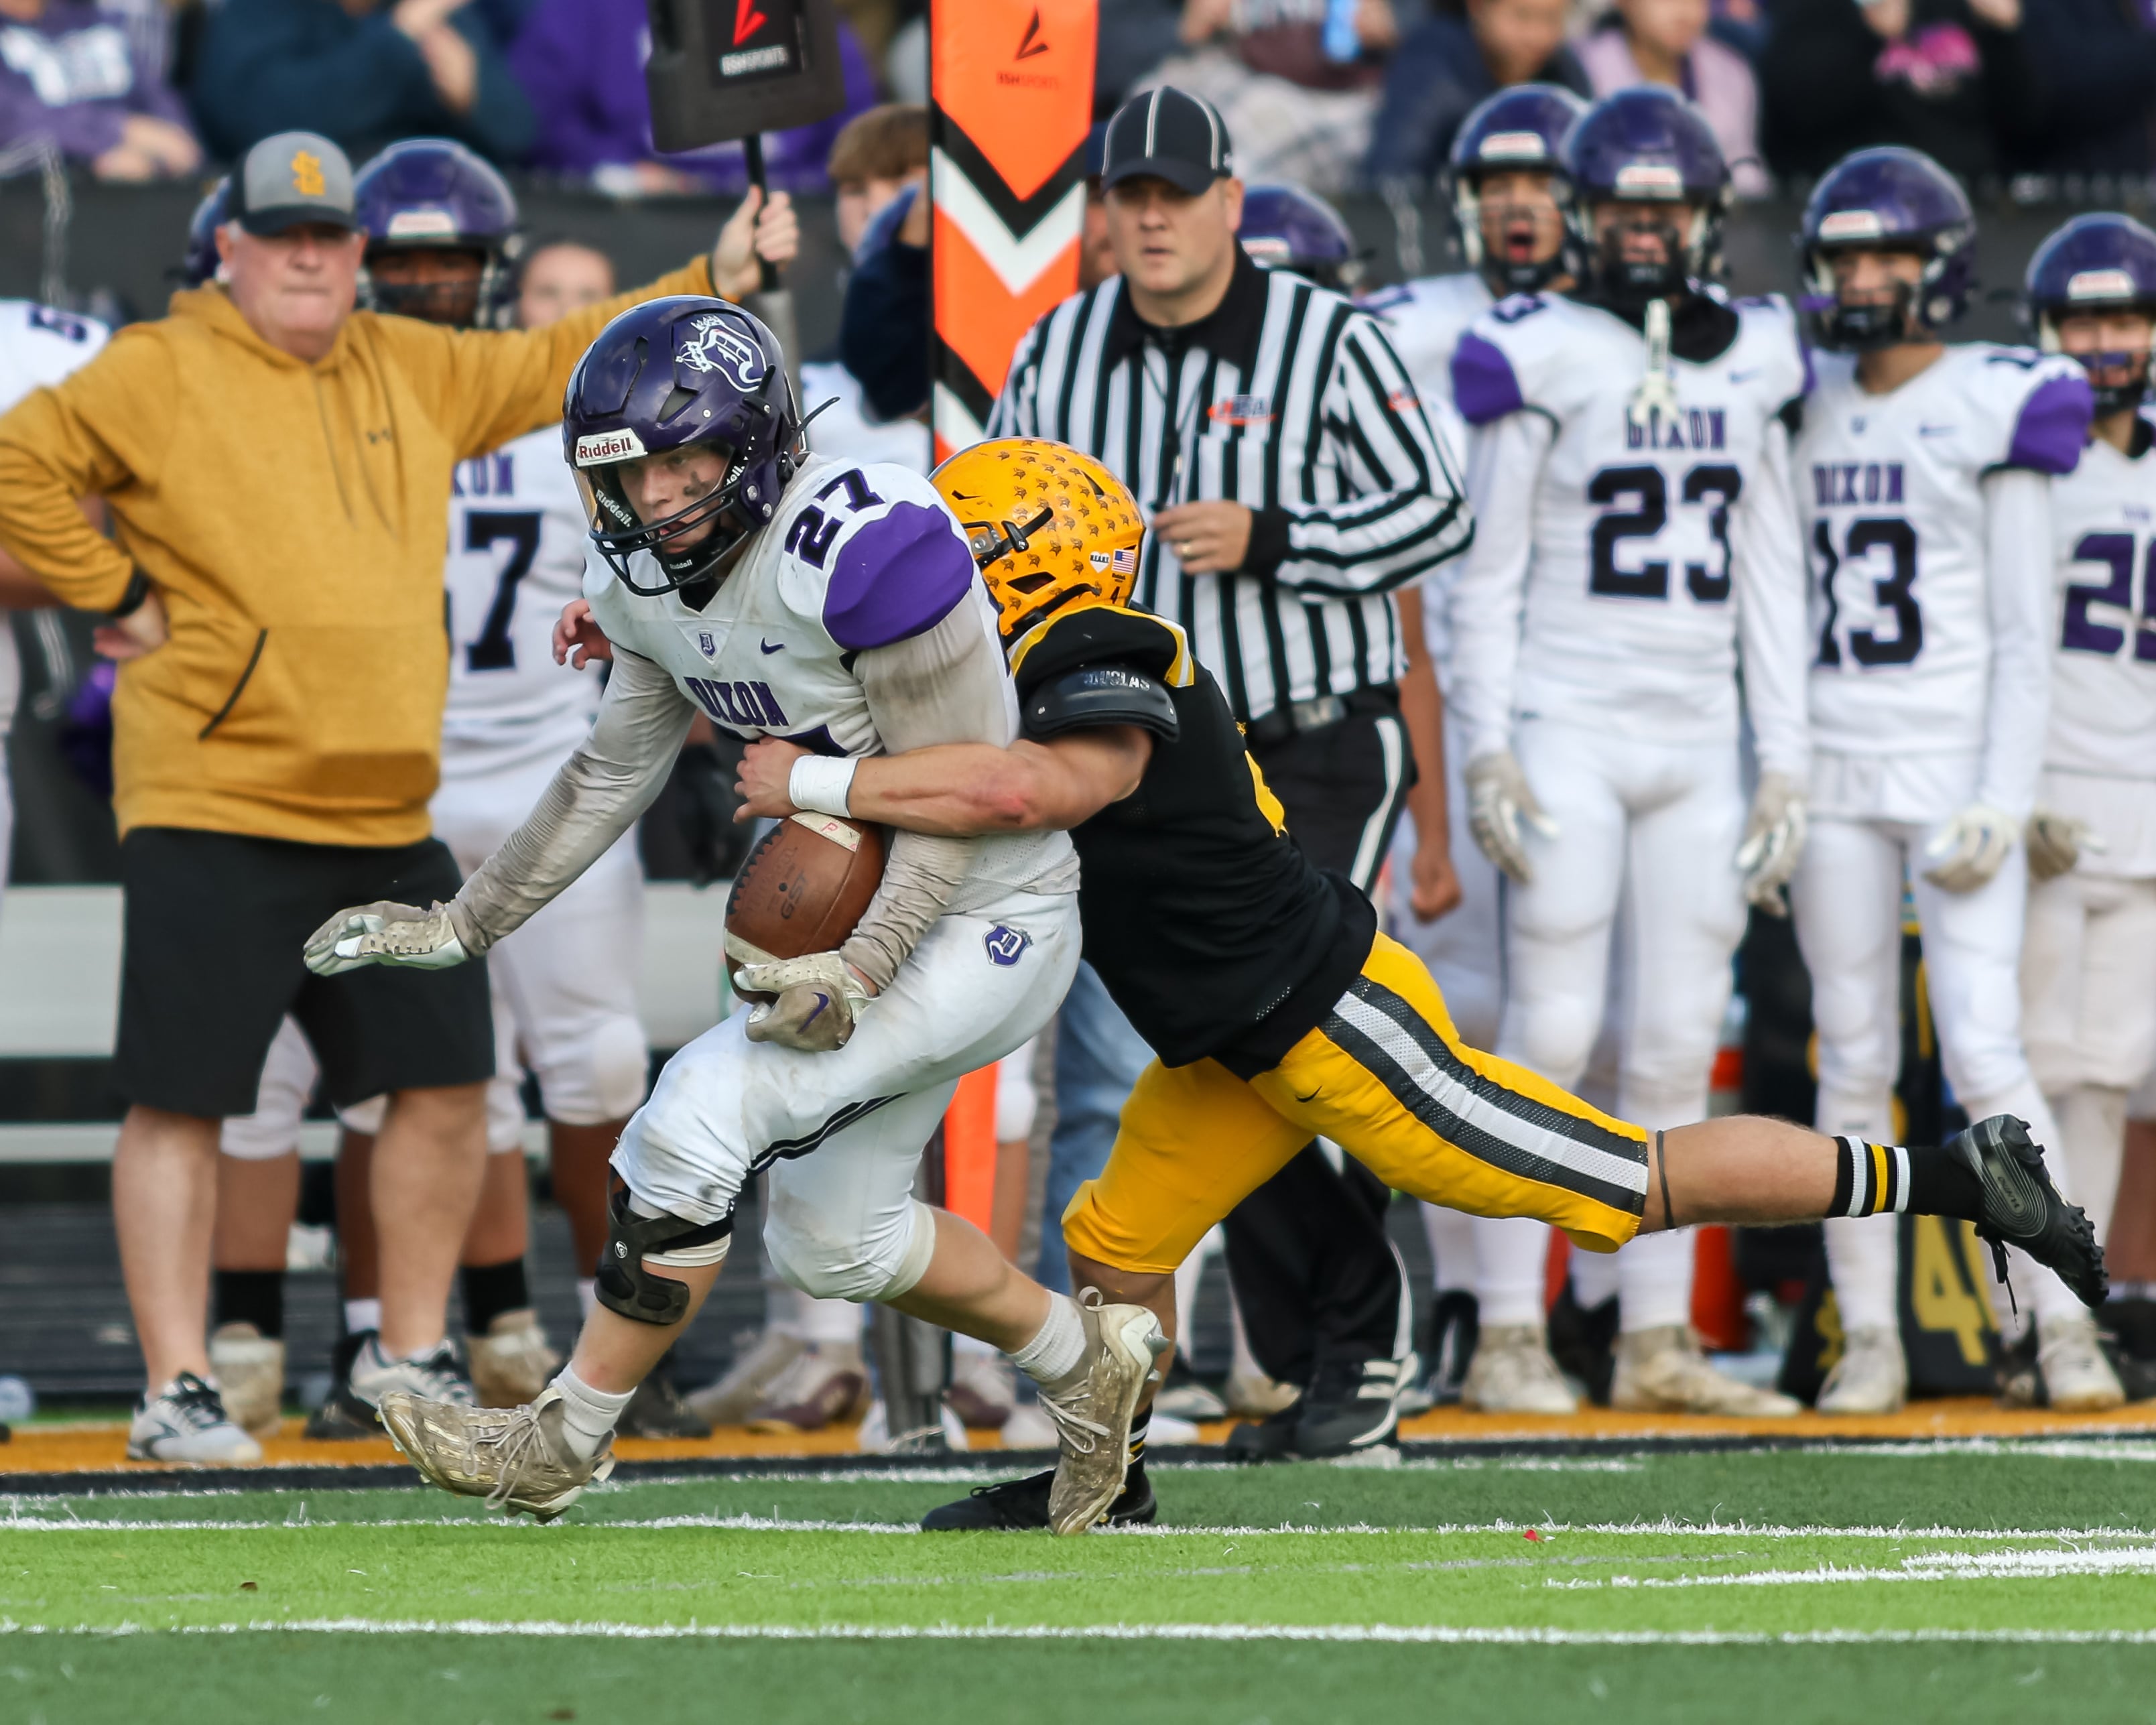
{"x": 1213, "y": 932}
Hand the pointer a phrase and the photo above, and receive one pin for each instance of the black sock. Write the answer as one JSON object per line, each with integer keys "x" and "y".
{"x": 491, "y": 1289}
{"x": 251, "y": 1297}
{"x": 1942, "y": 1184}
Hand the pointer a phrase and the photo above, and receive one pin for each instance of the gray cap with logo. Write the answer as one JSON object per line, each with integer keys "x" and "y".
{"x": 292, "y": 178}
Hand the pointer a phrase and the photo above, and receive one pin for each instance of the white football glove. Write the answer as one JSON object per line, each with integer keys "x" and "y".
{"x": 385, "y": 932}
{"x": 1498, "y": 802}
{"x": 2058, "y": 843}
{"x": 1774, "y": 841}
{"x": 818, "y": 1004}
{"x": 1971, "y": 847}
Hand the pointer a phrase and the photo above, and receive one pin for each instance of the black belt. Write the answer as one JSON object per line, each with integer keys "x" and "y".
{"x": 1298, "y": 718}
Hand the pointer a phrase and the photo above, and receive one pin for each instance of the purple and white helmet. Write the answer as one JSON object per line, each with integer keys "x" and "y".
{"x": 2102, "y": 262}
{"x": 664, "y": 375}
{"x": 1286, "y": 228}
{"x": 1521, "y": 128}
{"x": 433, "y": 194}
{"x": 200, "y": 264}
{"x": 1647, "y": 145}
{"x": 1888, "y": 199}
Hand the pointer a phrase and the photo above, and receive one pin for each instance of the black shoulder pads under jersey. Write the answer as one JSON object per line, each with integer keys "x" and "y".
{"x": 1095, "y": 695}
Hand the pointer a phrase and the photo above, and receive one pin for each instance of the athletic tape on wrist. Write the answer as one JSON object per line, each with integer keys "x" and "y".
{"x": 820, "y": 783}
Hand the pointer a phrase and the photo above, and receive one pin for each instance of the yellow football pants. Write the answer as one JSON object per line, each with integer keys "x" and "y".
{"x": 1386, "y": 1078}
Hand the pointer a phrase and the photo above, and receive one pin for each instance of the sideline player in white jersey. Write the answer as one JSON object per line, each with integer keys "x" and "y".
{"x": 1636, "y": 543}
{"x": 780, "y": 594}
{"x": 2088, "y": 960}
{"x": 1924, "y": 474}
{"x": 1511, "y": 231}
{"x": 38, "y": 347}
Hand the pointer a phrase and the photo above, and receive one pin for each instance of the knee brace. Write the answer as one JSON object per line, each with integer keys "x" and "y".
{"x": 628, "y": 1288}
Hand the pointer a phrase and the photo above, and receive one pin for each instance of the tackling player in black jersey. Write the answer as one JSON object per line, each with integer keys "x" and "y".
{"x": 1277, "y": 1009}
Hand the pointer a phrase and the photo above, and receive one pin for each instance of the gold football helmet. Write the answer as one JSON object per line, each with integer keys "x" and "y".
{"x": 1051, "y": 528}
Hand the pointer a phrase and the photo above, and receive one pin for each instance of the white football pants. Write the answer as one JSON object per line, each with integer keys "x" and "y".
{"x": 842, "y": 1133}
{"x": 2088, "y": 1012}
{"x": 1847, "y": 901}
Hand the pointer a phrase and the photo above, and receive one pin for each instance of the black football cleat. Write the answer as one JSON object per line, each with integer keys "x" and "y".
{"x": 343, "y": 1417}
{"x": 1352, "y": 1405}
{"x": 2022, "y": 1208}
{"x": 1021, "y": 1506}
{"x": 1271, "y": 1439}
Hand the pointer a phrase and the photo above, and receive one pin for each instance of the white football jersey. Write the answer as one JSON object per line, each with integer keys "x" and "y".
{"x": 1891, "y": 489}
{"x": 1650, "y": 538}
{"x": 854, "y": 558}
{"x": 1424, "y": 320}
{"x": 844, "y": 430}
{"x": 38, "y": 347}
{"x": 517, "y": 539}
{"x": 2103, "y": 665}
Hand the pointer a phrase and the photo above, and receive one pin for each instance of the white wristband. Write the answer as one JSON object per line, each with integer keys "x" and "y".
{"x": 820, "y": 783}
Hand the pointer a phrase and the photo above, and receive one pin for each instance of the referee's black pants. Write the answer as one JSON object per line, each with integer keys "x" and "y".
{"x": 1307, "y": 1251}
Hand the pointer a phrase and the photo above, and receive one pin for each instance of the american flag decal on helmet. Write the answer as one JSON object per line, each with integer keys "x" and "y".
{"x": 1125, "y": 561}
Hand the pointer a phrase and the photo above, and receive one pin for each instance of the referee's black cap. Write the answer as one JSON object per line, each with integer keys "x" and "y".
{"x": 1166, "y": 133}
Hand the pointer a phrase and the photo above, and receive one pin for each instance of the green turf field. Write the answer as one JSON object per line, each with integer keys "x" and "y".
{"x": 1971, "y": 1583}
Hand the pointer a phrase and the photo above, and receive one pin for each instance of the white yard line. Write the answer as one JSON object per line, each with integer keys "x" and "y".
{"x": 1411, "y": 1634}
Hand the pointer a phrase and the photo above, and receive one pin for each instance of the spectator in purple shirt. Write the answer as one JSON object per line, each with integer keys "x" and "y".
{"x": 582, "y": 63}
{"x": 69, "y": 77}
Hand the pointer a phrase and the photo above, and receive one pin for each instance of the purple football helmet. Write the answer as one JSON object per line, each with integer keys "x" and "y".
{"x": 1521, "y": 128}
{"x": 664, "y": 375}
{"x": 2095, "y": 263}
{"x": 1646, "y": 145}
{"x": 431, "y": 194}
{"x": 1286, "y": 228}
{"x": 200, "y": 264}
{"x": 1888, "y": 199}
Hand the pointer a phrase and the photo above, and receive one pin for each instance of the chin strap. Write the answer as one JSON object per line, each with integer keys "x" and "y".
{"x": 1658, "y": 389}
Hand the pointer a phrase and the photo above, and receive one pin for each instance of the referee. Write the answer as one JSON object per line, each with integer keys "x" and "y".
{"x": 1294, "y": 484}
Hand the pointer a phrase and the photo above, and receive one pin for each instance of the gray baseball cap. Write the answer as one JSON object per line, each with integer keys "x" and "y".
{"x": 291, "y": 178}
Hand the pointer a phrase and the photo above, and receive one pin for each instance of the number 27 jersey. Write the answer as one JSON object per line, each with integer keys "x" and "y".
{"x": 1891, "y": 489}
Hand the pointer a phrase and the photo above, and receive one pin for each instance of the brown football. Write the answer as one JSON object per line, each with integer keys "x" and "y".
{"x": 803, "y": 888}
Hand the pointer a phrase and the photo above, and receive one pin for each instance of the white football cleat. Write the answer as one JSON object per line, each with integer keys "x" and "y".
{"x": 1512, "y": 1372}
{"x": 1093, "y": 1407}
{"x": 512, "y": 1362}
{"x": 186, "y": 1421}
{"x": 433, "y": 1377}
{"x": 1662, "y": 1370}
{"x": 1872, "y": 1376}
{"x": 2077, "y": 1379}
{"x": 515, "y": 1458}
{"x": 250, "y": 1368}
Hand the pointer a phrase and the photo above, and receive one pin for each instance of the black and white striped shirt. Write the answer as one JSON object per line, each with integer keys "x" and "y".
{"x": 1286, "y": 398}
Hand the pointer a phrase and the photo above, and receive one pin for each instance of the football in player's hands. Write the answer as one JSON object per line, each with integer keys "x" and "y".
{"x": 802, "y": 891}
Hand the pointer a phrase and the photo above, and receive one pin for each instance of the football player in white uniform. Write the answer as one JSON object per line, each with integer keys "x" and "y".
{"x": 1636, "y": 542}
{"x": 2088, "y": 960}
{"x": 1502, "y": 182}
{"x": 1924, "y": 474}
{"x": 38, "y": 347}
{"x": 780, "y": 594}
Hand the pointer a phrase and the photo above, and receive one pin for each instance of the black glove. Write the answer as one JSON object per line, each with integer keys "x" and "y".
{"x": 705, "y": 802}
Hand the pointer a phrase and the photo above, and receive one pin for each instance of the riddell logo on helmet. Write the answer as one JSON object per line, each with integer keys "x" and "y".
{"x": 1649, "y": 179}
{"x": 1511, "y": 146}
{"x": 2101, "y": 285}
{"x": 1852, "y": 224}
{"x": 431, "y": 223}
{"x": 594, "y": 449}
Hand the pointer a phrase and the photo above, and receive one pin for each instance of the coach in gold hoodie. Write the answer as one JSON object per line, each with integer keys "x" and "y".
{"x": 278, "y": 468}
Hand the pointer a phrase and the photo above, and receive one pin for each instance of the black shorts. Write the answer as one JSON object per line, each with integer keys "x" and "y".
{"x": 215, "y": 924}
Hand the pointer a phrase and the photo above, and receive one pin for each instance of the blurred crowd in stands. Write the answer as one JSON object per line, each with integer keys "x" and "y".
{"x": 1335, "y": 94}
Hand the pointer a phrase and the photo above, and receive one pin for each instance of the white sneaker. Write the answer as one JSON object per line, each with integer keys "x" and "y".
{"x": 826, "y": 1384}
{"x": 186, "y": 1421}
{"x": 512, "y": 1362}
{"x": 758, "y": 1361}
{"x": 2077, "y": 1379}
{"x": 1189, "y": 1400}
{"x": 1512, "y": 1372}
{"x": 433, "y": 1377}
{"x": 1255, "y": 1396}
{"x": 250, "y": 1368}
{"x": 1169, "y": 1427}
{"x": 1871, "y": 1377}
{"x": 984, "y": 1390}
{"x": 1662, "y": 1370}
